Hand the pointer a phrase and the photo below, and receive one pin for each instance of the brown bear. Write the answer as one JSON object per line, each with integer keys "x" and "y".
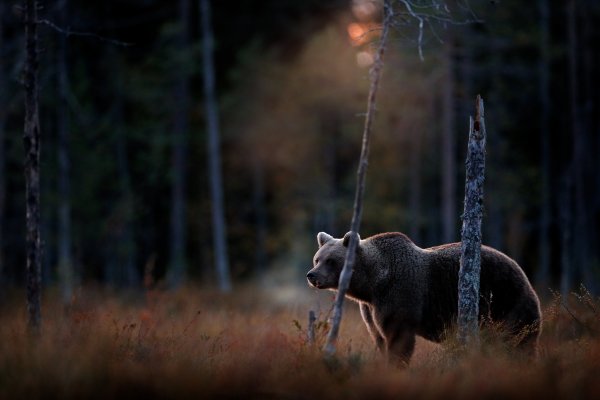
{"x": 404, "y": 290}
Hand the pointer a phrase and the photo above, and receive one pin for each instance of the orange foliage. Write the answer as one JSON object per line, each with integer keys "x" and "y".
{"x": 199, "y": 343}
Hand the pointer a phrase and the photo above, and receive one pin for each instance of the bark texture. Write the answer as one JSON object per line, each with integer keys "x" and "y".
{"x": 470, "y": 260}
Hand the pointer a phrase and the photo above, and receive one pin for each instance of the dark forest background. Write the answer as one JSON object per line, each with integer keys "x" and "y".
{"x": 292, "y": 85}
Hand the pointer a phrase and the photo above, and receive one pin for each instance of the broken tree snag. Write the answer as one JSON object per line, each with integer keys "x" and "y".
{"x": 346, "y": 274}
{"x": 470, "y": 259}
{"x": 31, "y": 142}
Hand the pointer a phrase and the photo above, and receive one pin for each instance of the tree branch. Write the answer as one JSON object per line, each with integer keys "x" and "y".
{"x": 68, "y": 33}
{"x": 429, "y": 13}
{"x": 420, "y": 19}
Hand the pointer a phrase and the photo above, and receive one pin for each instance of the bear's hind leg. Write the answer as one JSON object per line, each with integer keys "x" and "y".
{"x": 527, "y": 338}
{"x": 525, "y": 326}
{"x": 400, "y": 347}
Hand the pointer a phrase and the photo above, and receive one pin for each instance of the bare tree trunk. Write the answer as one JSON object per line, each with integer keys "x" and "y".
{"x": 214, "y": 152}
{"x": 180, "y": 133}
{"x": 3, "y": 106}
{"x": 470, "y": 259}
{"x": 125, "y": 246}
{"x": 589, "y": 91}
{"x": 260, "y": 215}
{"x": 580, "y": 253}
{"x": 126, "y": 243}
{"x": 448, "y": 159}
{"x": 497, "y": 216}
{"x": 566, "y": 248}
{"x": 65, "y": 261}
{"x": 346, "y": 273}
{"x": 543, "y": 272}
{"x": 594, "y": 148}
{"x": 31, "y": 141}
{"x": 332, "y": 128}
{"x": 414, "y": 184}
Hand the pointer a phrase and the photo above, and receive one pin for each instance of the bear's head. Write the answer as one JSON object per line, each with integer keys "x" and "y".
{"x": 328, "y": 261}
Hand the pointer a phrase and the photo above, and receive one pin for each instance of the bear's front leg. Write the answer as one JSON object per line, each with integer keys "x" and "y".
{"x": 367, "y": 315}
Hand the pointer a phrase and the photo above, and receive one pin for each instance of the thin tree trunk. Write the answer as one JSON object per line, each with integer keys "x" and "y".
{"x": 260, "y": 215}
{"x": 214, "y": 152}
{"x": 580, "y": 252}
{"x": 346, "y": 273}
{"x": 31, "y": 141}
{"x": 414, "y": 184}
{"x": 566, "y": 250}
{"x": 589, "y": 91}
{"x": 543, "y": 272}
{"x": 65, "y": 261}
{"x": 594, "y": 148}
{"x": 448, "y": 159}
{"x": 180, "y": 133}
{"x": 3, "y": 106}
{"x": 470, "y": 259}
{"x": 332, "y": 129}
{"x": 126, "y": 250}
{"x": 126, "y": 244}
{"x": 496, "y": 215}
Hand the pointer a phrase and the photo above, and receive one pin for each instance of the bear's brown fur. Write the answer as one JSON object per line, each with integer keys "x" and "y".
{"x": 403, "y": 290}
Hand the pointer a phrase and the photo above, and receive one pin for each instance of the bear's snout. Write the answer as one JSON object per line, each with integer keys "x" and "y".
{"x": 312, "y": 278}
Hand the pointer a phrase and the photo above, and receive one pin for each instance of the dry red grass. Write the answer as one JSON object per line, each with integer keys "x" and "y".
{"x": 199, "y": 343}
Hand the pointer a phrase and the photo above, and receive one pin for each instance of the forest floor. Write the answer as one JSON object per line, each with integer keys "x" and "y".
{"x": 252, "y": 344}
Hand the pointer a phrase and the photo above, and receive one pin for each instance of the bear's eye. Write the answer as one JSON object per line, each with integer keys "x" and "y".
{"x": 316, "y": 260}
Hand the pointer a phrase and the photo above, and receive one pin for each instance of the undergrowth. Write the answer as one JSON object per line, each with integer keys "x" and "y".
{"x": 196, "y": 342}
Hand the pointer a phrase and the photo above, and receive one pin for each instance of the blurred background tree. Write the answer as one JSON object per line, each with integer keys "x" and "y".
{"x": 291, "y": 81}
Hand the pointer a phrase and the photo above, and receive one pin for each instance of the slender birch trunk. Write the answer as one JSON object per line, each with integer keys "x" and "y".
{"x": 346, "y": 273}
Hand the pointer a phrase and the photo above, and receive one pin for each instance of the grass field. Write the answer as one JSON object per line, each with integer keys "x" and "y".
{"x": 252, "y": 344}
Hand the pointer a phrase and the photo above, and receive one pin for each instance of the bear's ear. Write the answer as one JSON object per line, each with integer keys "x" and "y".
{"x": 323, "y": 238}
{"x": 347, "y": 238}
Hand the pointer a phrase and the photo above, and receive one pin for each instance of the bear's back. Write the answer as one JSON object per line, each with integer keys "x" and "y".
{"x": 502, "y": 286}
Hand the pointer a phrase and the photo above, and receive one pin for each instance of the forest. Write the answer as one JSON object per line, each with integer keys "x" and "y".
{"x": 190, "y": 152}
